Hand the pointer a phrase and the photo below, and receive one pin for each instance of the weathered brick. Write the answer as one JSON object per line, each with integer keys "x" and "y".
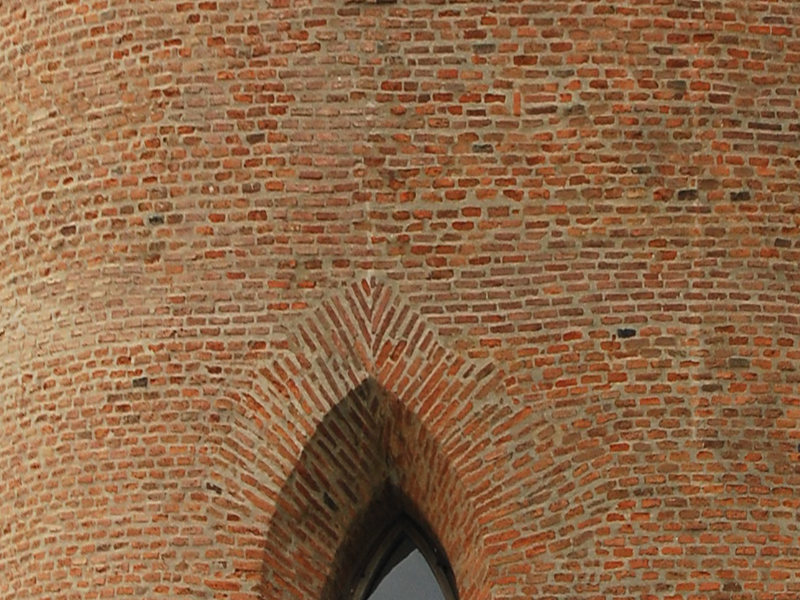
{"x": 535, "y": 264}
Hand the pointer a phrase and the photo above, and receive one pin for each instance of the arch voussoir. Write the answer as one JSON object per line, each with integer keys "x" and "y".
{"x": 384, "y": 410}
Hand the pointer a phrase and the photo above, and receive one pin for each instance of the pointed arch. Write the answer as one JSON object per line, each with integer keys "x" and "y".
{"x": 404, "y": 540}
{"x": 369, "y": 456}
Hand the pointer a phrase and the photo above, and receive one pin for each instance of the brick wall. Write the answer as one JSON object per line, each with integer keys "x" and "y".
{"x": 533, "y": 263}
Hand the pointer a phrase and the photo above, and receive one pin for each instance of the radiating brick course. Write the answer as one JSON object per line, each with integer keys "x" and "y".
{"x": 534, "y": 266}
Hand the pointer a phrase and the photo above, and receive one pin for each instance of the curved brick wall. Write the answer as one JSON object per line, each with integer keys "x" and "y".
{"x": 534, "y": 264}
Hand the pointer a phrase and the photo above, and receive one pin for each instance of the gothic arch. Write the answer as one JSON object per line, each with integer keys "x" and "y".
{"x": 368, "y": 453}
{"x": 373, "y": 552}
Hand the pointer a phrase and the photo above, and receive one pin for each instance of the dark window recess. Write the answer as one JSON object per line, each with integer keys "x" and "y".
{"x": 406, "y": 567}
{"x": 406, "y": 575}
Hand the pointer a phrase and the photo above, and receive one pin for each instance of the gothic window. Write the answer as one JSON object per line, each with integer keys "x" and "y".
{"x": 405, "y": 566}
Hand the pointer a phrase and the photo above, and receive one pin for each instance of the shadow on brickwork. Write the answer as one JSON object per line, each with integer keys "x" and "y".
{"x": 368, "y": 461}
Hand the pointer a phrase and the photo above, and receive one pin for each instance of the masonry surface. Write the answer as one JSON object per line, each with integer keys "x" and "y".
{"x": 534, "y": 264}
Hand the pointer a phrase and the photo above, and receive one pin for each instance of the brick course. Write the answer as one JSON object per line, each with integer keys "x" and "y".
{"x": 533, "y": 263}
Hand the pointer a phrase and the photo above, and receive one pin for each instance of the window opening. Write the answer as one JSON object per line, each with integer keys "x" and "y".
{"x": 406, "y": 566}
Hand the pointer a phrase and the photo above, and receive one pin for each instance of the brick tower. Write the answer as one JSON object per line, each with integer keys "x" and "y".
{"x": 272, "y": 271}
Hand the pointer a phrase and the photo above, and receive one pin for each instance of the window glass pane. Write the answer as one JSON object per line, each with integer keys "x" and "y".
{"x": 406, "y": 576}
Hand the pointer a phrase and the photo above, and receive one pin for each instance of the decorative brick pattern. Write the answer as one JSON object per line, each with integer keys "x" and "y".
{"x": 535, "y": 263}
{"x": 381, "y": 396}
